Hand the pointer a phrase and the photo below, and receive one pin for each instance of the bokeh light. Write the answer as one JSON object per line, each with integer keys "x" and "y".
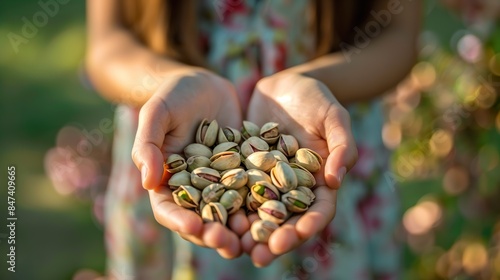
{"x": 441, "y": 143}
{"x": 455, "y": 180}
{"x": 423, "y": 75}
{"x": 494, "y": 64}
{"x": 420, "y": 218}
{"x": 391, "y": 135}
{"x": 475, "y": 258}
{"x": 470, "y": 48}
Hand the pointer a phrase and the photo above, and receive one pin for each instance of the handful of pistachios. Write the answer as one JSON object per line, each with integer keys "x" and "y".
{"x": 255, "y": 168}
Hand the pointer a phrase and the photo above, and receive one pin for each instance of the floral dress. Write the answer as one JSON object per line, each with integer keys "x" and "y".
{"x": 246, "y": 40}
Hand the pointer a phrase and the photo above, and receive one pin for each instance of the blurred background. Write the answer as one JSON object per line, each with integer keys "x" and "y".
{"x": 443, "y": 123}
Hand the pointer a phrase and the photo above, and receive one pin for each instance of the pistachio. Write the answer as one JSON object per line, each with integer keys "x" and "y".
{"x": 175, "y": 163}
{"x": 207, "y": 133}
{"x": 214, "y": 212}
{"x": 269, "y": 132}
{"x": 234, "y": 179}
{"x": 251, "y": 203}
{"x": 180, "y": 178}
{"x": 229, "y": 134}
{"x": 273, "y": 210}
{"x": 279, "y": 156}
{"x": 196, "y": 149}
{"x": 252, "y": 145}
{"x": 296, "y": 201}
{"x": 288, "y": 145}
{"x": 249, "y": 129}
{"x": 225, "y": 161}
{"x": 243, "y": 191}
{"x": 255, "y": 175}
{"x": 187, "y": 196}
{"x": 262, "y": 229}
{"x": 264, "y": 161}
{"x": 283, "y": 177}
{"x": 308, "y": 159}
{"x": 231, "y": 200}
{"x": 212, "y": 192}
{"x": 225, "y": 147}
{"x": 308, "y": 192}
{"x": 304, "y": 177}
{"x": 263, "y": 191}
{"x": 194, "y": 162}
{"x": 201, "y": 177}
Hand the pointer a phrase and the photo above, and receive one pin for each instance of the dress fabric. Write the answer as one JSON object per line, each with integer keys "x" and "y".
{"x": 246, "y": 40}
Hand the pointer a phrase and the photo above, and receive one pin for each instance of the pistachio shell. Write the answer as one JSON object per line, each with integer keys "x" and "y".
{"x": 225, "y": 161}
{"x": 264, "y": 161}
{"x": 212, "y": 192}
{"x": 308, "y": 192}
{"x": 226, "y": 146}
{"x": 288, "y": 145}
{"x": 270, "y": 132}
{"x": 196, "y": 149}
{"x": 249, "y": 129}
{"x": 180, "y": 178}
{"x": 234, "y": 179}
{"x": 197, "y": 161}
{"x": 255, "y": 175}
{"x": 279, "y": 156}
{"x": 252, "y": 203}
{"x": 252, "y": 145}
{"x": 296, "y": 201}
{"x": 229, "y": 134}
{"x": 201, "y": 177}
{"x": 308, "y": 159}
{"x": 214, "y": 212}
{"x": 283, "y": 177}
{"x": 273, "y": 210}
{"x": 232, "y": 201}
{"x": 261, "y": 230}
{"x": 187, "y": 196}
{"x": 264, "y": 191}
{"x": 175, "y": 163}
{"x": 207, "y": 133}
{"x": 243, "y": 191}
{"x": 304, "y": 177}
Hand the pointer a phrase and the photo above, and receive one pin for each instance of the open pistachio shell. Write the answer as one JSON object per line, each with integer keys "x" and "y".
{"x": 201, "y": 177}
{"x": 304, "y": 177}
{"x": 279, "y": 156}
{"x": 262, "y": 229}
{"x": 234, "y": 179}
{"x": 197, "y": 161}
{"x": 308, "y": 159}
{"x": 264, "y": 161}
{"x": 274, "y": 211}
{"x": 296, "y": 201}
{"x": 225, "y": 147}
{"x": 225, "y": 161}
{"x": 255, "y": 175}
{"x": 252, "y": 203}
{"x": 196, "y": 149}
{"x": 249, "y": 129}
{"x": 264, "y": 191}
{"x": 231, "y": 200}
{"x": 180, "y": 178}
{"x": 229, "y": 134}
{"x": 212, "y": 192}
{"x": 214, "y": 212}
{"x": 207, "y": 133}
{"x": 283, "y": 177}
{"x": 187, "y": 196}
{"x": 175, "y": 163}
{"x": 269, "y": 132}
{"x": 288, "y": 145}
{"x": 252, "y": 145}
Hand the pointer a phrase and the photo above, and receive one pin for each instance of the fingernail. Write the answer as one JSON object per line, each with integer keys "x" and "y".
{"x": 144, "y": 174}
{"x": 340, "y": 174}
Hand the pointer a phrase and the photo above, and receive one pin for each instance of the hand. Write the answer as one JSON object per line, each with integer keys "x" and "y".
{"x": 306, "y": 109}
{"x": 167, "y": 123}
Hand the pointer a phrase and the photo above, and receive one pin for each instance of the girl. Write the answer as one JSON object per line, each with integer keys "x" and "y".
{"x": 170, "y": 64}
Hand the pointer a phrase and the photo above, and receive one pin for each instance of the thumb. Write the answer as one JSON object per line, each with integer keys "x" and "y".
{"x": 146, "y": 152}
{"x": 341, "y": 146}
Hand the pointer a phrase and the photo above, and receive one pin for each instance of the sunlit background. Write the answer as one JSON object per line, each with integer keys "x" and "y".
{"x": 443, "y": 123}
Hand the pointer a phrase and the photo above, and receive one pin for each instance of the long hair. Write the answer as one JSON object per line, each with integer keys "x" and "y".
{"x": 169, "y": 27}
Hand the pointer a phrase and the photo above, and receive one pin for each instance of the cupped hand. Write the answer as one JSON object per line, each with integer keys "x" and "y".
{"x": 305, "y": 108}
{"x": 167, "y": 123}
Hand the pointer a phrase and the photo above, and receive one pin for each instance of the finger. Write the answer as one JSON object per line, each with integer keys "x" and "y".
{"x": 217, "y": 236}
{"x": 319, "y": 215}
{"x": 262, "y": 256}
{"x": 247, "y": 242}
{"x": 341, "y": 146}
{"x": 239, "y": 222}
{"x": 285, "y": 238}
{"x": 232, "y": 249}
{"x": 146, "y": 153}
